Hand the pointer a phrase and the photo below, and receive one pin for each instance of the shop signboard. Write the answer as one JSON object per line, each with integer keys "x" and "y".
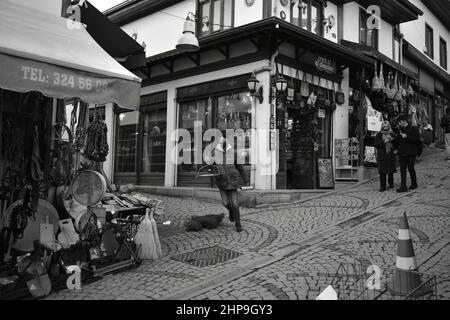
{"x": 325, "y": 64}
{"x": 23, "y": 75}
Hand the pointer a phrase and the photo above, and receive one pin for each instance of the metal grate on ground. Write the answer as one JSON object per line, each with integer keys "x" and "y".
{"x": 207, "y": 256}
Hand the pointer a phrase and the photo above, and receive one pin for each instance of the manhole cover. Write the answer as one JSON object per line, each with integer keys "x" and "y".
{"x": 207, "y": 256}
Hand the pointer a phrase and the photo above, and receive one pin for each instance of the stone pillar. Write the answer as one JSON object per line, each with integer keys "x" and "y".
{"x": 264, "y": 162}
{"x": 341, "y": 116}
{"x": 170, "y": 174}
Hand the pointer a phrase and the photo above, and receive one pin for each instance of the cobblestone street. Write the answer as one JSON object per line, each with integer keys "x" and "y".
{"x": 290, "y": 251}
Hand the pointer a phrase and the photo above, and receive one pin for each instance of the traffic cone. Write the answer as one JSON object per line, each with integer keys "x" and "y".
{"x": 406, "y": 275}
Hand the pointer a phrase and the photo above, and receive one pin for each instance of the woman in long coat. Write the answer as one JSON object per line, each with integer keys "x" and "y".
{"x": 228, "y": 180}
{"x": 386, "y": 144}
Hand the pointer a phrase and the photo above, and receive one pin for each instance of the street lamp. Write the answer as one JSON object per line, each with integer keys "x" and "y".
{"x": 255, "y": 91}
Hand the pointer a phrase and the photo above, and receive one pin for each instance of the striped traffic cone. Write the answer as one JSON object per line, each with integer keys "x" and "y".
{"x": 406, "y": 275}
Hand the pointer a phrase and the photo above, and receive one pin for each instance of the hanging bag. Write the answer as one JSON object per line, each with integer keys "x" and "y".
{"x": 332, "y": 101}
{"x": 410, "y": 91}
{"x": 304, "y": 89}
{"x": 328, "y": 99}
{"x": 340, "y": 96}
{"x": 404, "y": 92}
{"x": 381, "y": 83}
{"x": 298, "y": 95}
{"x": 320, "y": 102}
{"x": 290, "y": 90}
{"x": 376, "y": 80}
{"x": 391, "y": 89}
{"x": 399, "y": 89}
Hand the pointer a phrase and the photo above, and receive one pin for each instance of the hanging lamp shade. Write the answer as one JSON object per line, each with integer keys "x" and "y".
{"x": 188, "y": 42}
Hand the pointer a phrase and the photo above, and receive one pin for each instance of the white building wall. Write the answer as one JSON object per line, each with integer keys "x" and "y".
{"x": 385, "y": 37}
{"x": 161, "y": 30}
{"x": 244, "y": 14}
{"x": 351, "y": 23}
{"x": 351, "y": 29}
{"x": 49, "y": 6}
{"x": 414, "y": 31}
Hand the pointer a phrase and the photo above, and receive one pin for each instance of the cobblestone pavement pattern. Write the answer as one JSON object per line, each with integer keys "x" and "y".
{"x": 304, "y": 272}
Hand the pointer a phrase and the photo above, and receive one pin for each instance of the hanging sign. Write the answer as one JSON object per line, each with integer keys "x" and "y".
{"x": 321, "y": 113}
{"x": 325, "y": 64}
{"x": 374, "y": 124}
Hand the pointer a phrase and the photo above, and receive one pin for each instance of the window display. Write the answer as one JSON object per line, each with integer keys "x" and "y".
{"x": 126, "y": 142}
{"x": 154, "y": 125}
{"x": 226, "y": 112}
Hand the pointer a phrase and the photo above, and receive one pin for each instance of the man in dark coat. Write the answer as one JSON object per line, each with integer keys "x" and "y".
{"x": 385, "y": 144}
{"x": 228, "y": 180}
{"x": 445, "y": 125}
{"x": 408, "y": 147}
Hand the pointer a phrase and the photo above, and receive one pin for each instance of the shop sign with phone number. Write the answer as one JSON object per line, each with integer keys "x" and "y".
{"x": 59, "y": 79}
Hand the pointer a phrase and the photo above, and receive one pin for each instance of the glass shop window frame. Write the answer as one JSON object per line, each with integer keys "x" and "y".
{"x": 213, "y": 121}
{"x": 118, "y": 165}
{"x": 443, "y": 56}
{"x": 429, "y": 41}
{"x": 158, "y": 139}
{"x": 299, "y": 21}
{"x": 218, "y": 20}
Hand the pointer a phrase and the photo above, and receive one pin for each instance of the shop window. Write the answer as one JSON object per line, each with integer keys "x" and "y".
{"x": 215, "y": 15}
{"x": 367, "y": 36}
{"x": 308, "y": 15}
{"x": 200, "y": 110}
{"x": 127, "y": 133}
{"x": 154, "y": 129}
{"x": 221, "y": 112}
{"x": 443, "y": 53}
{"x": 429, "y": 41}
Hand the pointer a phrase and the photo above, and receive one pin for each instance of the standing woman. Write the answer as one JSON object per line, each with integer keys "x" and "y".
{"x": 228, "y": 180}
{"x": 385, "y": 144}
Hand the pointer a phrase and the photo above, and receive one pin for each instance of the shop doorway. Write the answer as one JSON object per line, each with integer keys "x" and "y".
{"x": 302, "y": 131}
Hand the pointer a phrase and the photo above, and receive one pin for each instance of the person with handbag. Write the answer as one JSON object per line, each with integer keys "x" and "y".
{"x": 385, "y": 142}
{"x": 445, "y": 124}
{"x": 228, "y": 180}
{"x": 408, "y": 142}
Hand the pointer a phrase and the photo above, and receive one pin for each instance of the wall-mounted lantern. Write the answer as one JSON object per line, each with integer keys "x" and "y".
{"x": 255, "y": 90}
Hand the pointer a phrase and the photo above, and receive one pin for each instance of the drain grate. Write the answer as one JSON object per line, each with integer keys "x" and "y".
{"x": 207, "y": 256}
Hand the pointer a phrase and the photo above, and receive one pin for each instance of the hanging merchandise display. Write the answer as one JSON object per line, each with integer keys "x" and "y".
{"x": 376, "y": 80}
{"x": 381, "y": 81}
{"x": 340, "y": 96}
{"x": 304, "y": 89}
{"x": 147, "y": 238}
{"x": 97, "y": 142}
{"x": 399, "y": 93}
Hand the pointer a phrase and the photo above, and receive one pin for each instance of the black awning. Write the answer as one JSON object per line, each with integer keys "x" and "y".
{"x": 393, "y": 11}
{"x": 411, "y": 52}
{"x": 369, "y": 51}
{"x": 116, "y": 42}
